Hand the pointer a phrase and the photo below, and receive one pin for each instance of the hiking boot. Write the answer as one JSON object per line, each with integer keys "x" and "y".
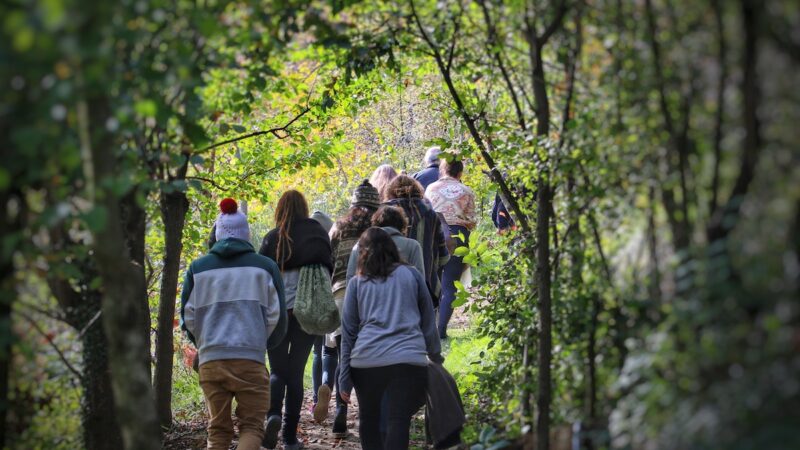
{"x": 340, "y": 425}
{"x": 270, "y": 440}
{"x": 323, "y": 400}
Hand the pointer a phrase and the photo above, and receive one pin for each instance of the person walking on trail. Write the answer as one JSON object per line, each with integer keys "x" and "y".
{"x": 344, "y": 235}
{"x": 296, "y": 241}
{"x": 232, "y": 309}
{"x": 423, "y": 226}
{"x": 430, "y": 173}
{"x": 388, "y": 334}
{"x": 316, "y": 361}
{"x": 381, "y": 178}
{"x": 456, "y": 202}
{"x": 392, "y": 220}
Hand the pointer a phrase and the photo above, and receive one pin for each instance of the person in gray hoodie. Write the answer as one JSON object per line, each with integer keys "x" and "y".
{"x": 232, "y": 309}
{"x": 388, "y": 335}
{"x": 392, "y": 220}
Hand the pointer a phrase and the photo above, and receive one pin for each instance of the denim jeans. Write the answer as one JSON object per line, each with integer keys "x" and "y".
{"x": 402, "y": 388}
{"x": 330, "y": 371}
{"x": 316, "y": 367}
{"x": 288, "y": 362}
{"x": 451, "y": 273}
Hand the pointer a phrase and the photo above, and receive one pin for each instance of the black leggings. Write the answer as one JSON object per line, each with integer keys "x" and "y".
{"x": 404, "y": 388}
{"x": 287, "y": 362}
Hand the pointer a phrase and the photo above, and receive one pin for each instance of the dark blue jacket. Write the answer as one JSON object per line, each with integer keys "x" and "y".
{"x": 427, "y": 175}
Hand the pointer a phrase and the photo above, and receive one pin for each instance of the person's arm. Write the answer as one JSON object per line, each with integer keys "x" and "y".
{"x": 282, "y": 324}
{"x": 352, "y": 264}
{"x": 187, "y": 308}
{"x": 428, "y": 321}
{"x": 350, "y": 325}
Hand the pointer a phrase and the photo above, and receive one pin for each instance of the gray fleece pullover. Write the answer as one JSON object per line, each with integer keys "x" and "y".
{"x": 386, "y": 322}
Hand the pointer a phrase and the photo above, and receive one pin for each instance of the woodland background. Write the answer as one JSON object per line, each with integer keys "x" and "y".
{"x": 648, "y": 150}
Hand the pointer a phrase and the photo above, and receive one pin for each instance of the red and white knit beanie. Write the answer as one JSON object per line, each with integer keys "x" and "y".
{"x": 231, "y": 223}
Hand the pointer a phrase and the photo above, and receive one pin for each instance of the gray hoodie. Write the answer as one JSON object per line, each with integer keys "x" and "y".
{"x": 387, "y": 322}
{"x": 409, "y": 249}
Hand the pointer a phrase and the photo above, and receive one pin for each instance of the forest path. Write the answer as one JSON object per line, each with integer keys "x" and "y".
{"x": 315, "y": 436}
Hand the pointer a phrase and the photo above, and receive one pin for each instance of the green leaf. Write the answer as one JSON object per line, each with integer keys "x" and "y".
{"x": 461, "y": 251}
{"x": 146, "y": 108}
{"x": 196, "y": 134}
{"x": 239, "y": 128}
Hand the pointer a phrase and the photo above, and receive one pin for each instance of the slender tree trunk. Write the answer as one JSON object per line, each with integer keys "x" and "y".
{"x": 655, "y": 274}
{"x": 10, "y": 225}
{"x": 174, "y": 206}
{"x": 124, "y": 288}
{"x": 100, "y": 427}
{"x": 592, "y": 358}
{"x": 545, "y": 312}
{"x": 543, "y": 279}
{"x": 134, "y": 220}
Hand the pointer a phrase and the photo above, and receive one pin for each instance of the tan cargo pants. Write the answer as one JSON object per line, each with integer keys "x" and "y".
{"x": 246, "y": 381}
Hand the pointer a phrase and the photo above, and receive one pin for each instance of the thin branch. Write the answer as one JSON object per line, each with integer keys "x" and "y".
{"x": 273, "y": 131}
{"x": 553, "y": 26}
{"x": 719, "y": 117}
{"x": 58, "y": 351}
{"x": 493, "y": 48}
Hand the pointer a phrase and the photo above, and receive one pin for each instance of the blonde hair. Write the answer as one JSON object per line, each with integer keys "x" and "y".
{"x": 381, "y": 178}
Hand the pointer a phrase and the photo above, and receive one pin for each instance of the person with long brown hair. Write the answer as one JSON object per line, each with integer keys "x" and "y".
{"x": 388, "y": 335}
{"x": 296, "y": 241}
{"x": 344, "y": 235}
{"x": 423, "y": 226}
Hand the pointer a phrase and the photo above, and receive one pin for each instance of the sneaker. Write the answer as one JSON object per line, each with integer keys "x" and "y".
{"x": 270, "y": 440}
{"x": 323, "y": 400}
{"x": 340, "y": 426}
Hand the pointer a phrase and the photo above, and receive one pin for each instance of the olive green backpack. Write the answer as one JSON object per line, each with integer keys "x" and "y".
{"x": 314, "y": 307}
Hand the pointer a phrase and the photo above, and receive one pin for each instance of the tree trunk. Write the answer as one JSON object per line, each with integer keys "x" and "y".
{"x": 124, "y": 289}
{"x": 100, "y": 427}
{"x": 9, "y": 227}
{"x": 545, "y": 312}
{"x": 134, "y": 220}
{"x": 174, "y": 206}
{"x": 543, "y": 211}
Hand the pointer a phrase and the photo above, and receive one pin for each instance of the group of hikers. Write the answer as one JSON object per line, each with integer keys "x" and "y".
{"x": 389, "y": 267}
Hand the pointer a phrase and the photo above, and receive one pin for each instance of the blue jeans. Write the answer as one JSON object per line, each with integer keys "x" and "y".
{"x": 316, "y": 367}
{"x": 330, "y": 372}
{"x": 451, "y": 273}
{"x": 287, "y": 362}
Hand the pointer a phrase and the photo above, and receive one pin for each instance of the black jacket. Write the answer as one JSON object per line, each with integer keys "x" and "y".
{"x": 310, "y": 245}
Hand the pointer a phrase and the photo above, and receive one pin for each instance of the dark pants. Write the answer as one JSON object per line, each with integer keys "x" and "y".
{"x": 451, "y": 273}
{"x": 402, "y": 387}
{"x": 287, "y": 362}
{"x": 330, "y": 372}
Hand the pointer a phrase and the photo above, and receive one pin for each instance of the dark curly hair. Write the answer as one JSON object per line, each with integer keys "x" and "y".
{"x": 390, "y": 216}
{"x": 377, "y": 254}
{"x": 354, "y": 222}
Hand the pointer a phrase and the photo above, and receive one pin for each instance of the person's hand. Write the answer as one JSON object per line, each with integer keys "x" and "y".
{"x": 345, "y": 397}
